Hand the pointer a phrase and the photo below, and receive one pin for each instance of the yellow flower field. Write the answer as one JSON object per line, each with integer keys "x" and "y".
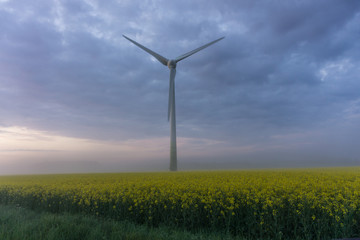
{"x": 270, "y": 204}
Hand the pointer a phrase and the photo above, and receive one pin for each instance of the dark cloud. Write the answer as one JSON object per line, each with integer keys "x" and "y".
{"x": 283, "y": 67}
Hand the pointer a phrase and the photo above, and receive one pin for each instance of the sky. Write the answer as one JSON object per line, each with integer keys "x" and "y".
{"x": 280, "y": 90}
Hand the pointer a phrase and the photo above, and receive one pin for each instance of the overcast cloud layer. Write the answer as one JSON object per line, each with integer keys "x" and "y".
{"x": 281, "y": 90}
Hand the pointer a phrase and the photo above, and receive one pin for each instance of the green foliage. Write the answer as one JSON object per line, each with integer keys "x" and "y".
{"x": 271, "y": 204}
{"x": 17, "y": 223}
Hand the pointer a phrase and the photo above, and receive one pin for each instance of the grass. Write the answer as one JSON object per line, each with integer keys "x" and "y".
{"x": 18, "y": 223}
{"x": 272, "y": 204}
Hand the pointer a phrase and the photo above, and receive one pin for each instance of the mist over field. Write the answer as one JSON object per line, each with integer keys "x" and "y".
{"x": 281, "y": 90}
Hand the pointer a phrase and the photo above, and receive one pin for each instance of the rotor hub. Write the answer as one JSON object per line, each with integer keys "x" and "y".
{"x": 171, "y": 64}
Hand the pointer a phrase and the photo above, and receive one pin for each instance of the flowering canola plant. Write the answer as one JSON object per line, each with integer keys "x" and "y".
{"x": 267, "y": 204}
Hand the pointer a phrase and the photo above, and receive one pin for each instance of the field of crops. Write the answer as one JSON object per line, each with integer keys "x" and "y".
{"x": 254, "y": 204}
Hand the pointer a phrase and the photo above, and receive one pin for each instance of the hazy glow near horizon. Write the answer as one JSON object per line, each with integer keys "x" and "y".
{"x": 21, "y": 146}
{"x": 281, "y": 90}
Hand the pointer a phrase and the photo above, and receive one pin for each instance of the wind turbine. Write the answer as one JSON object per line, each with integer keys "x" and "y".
{"x": 171, "y": 64}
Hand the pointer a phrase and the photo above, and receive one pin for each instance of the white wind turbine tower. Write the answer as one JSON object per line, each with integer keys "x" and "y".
{"x": 171, "y": 64}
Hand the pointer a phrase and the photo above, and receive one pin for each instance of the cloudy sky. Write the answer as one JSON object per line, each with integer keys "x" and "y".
{"x": 281, "y": 90}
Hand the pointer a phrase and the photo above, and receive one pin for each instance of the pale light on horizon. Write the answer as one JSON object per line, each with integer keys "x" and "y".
{"x": 75, "y": 96}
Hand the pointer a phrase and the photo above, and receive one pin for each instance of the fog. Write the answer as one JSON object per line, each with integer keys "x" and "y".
{"x": 281, "y": 90}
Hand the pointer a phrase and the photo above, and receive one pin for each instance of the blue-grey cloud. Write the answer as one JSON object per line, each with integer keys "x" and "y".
{"x": 284, "y": 67}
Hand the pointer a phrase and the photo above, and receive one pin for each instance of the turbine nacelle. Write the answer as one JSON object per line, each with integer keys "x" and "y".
{"x": 171, "y": 64}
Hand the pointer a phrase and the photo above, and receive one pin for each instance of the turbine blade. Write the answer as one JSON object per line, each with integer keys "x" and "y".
{"x": 160, "y": 58}
{"x": 196, "y": 50}
{"x": 171, "y": 91}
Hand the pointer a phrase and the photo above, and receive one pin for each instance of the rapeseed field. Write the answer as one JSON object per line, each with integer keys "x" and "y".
{"x": 254, "y": 204}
